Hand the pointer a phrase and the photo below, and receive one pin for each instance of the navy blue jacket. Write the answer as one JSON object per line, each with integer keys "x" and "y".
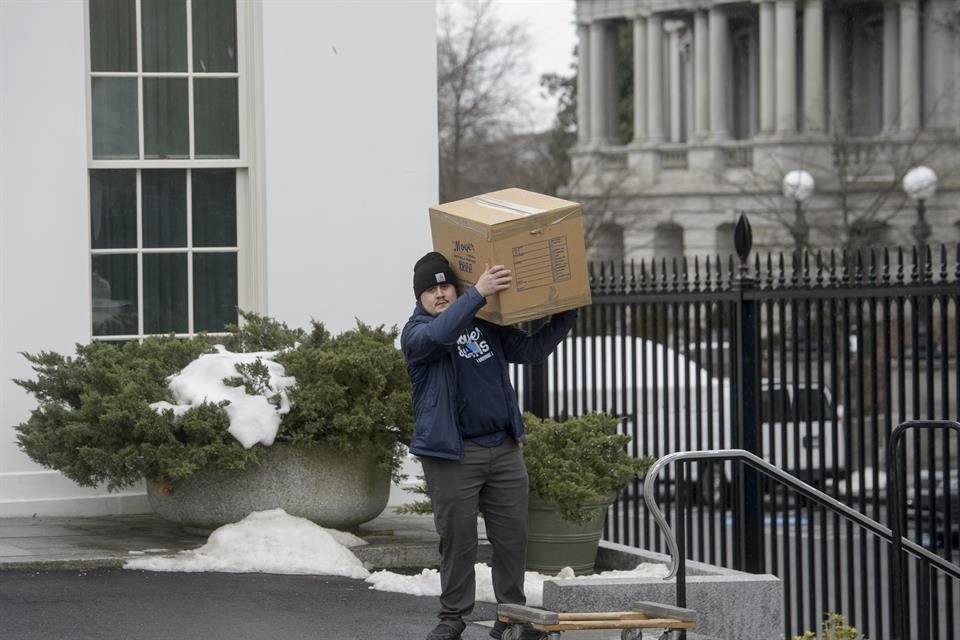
{"x": 429, "y": 343}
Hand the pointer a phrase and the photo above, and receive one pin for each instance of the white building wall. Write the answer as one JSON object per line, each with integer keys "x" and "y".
{"x": 350, "y": 157}
{"x": 347, "y": 162}
{"x": 44, "y": 259}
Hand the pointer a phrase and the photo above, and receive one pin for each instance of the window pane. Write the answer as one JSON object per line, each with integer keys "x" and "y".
{"x": 165, "y": 208}
{"x": 214, "y": 208}
{"x": 114, "y": 102}
{"x": 113, "y": 35}
{"x": 214, "y": 36}
{"x": 214, "y": 291}
{"x": 114, "y": 294}
{"x": 215, "y": 113}
{"x": 165, "y": 118}
{"x": 164, "y": 293}
{"x": 164, "y": 35}
{"x": 113, "y": 209}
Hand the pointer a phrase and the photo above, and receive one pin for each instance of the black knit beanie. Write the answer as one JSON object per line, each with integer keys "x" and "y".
{"x": 430, "y": 270}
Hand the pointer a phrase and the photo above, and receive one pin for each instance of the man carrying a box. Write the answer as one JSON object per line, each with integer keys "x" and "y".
{"x": 468, "y": 429}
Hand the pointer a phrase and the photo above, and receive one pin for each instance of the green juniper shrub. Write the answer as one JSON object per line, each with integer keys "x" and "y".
{"x": 261, "y": 333}
{"x": 578, "y": 462}
{"x": 422, "y": 504}
{"x": 352, "y": 391}
{"x": 834, "y": 628}
{"x": 93, "y": 420}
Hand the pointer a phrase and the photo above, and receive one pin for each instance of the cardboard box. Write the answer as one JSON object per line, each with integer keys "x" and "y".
{"x": 538, "y": 237}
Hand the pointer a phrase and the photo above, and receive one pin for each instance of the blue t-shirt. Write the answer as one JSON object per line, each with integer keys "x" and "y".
{"x": 482, "y": 411}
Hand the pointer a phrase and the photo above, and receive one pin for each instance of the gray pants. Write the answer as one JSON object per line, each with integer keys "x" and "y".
{"x": 488, "y": 481}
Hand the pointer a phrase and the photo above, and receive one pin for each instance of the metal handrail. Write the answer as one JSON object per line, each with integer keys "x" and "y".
{"x": 676, "y": 558}
{"x": 897, "y": 511}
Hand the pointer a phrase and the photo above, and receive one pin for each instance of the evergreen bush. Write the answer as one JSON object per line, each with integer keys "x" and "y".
{"x": 93, "y": 420}
{"x": 578, "y": 462}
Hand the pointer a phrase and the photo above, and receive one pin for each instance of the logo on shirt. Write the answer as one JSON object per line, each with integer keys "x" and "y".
{"x": 471, "y": 346}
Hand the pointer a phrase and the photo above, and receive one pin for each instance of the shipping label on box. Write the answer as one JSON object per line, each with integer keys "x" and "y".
{"x": 538, "y": 237}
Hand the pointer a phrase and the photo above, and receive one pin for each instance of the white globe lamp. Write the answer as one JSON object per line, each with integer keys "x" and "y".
{"x": 920, "y": 183}
{"x": 798, "y": 185}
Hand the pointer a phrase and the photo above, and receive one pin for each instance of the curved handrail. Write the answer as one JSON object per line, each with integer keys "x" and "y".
{"x": 798, "y": 485}
{"x": 896, "y": 511}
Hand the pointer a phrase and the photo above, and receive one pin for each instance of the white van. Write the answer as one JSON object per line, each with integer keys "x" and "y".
{"x": 681, "y": 406}
{"x": 802, "y": 414}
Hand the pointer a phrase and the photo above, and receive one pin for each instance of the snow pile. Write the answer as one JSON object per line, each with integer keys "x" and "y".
{"x": 267, "y": 542}
{"x": 253, "y": 418}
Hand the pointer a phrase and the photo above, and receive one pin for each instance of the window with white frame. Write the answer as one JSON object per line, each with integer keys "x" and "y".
{"x": 166, "y": 166}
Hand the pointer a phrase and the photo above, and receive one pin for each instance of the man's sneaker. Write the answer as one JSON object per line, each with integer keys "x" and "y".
{"x": 447, "y": 630}
{"x": 529, "y": 633}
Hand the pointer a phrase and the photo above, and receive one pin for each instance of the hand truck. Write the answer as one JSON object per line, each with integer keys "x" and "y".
{"x": 645, "y": 615}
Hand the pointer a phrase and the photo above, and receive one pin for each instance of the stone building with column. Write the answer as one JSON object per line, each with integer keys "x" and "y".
{"x": 729, "y": 96}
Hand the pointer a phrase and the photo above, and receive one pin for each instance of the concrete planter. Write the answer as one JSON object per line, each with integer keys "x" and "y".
{"x": 554, "y": 543}
{"x": 324, "y": 485}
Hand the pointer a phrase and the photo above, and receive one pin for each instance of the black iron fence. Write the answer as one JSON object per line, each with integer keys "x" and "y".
{"x": 809, "y": 362}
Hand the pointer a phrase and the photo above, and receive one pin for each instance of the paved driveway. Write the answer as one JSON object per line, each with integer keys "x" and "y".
{"x": 116, "y": 604}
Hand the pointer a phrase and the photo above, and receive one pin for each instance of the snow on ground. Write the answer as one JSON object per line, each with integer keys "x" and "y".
{"x": 276, "y": 542}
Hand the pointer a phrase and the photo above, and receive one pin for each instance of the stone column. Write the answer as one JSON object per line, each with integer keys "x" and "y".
{"x": 838, "y": 76}
{"x": 910, "y": 71}
{"x": 655, "y": 78}
{"x": 639, "y": 79}
{"x": 719, "y": 54}
{"x": 674, "y": 29}
{"x": 768, "y": 68}
{"x": 611, "y": 95}
{"x": 940, "y": 83}
{"x": 583, "y": 85}
{"x": 786, "y": 66}
{"x": 701, "y": 63}
{"x": 891, "y": 67}
{"x": 599, "y": 124}
{"x": 813, "y": 107}
{"x": 686, "y": 64}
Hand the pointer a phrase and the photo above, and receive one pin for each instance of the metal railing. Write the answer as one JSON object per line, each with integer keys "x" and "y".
{"x": 676, "y": 541}
{"x": 898, "y": 512}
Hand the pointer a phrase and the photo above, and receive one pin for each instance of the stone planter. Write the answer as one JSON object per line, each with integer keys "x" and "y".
{"x": 326, "y": 486}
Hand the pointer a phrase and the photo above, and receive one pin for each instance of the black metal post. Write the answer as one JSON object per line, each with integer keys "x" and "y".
{"x": 682, "y": 541}
{"x": 746, "y": 360}
{"x": 536, "y": 390}
{"x": 921, "y": 233}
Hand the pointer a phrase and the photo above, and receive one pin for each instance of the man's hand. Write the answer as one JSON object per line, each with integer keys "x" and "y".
{"x": 494, "y": 279}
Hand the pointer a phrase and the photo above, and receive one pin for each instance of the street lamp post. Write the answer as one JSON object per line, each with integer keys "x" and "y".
{"x": 920, "y": 184}
{"x": 798, "y": 185}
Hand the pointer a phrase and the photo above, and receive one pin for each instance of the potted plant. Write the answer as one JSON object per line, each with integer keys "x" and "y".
{"x": 576, "y": 469}
{"x": 106, "y": 415}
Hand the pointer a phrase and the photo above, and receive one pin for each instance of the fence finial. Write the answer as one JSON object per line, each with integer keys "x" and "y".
{"x": 743, "y": 238}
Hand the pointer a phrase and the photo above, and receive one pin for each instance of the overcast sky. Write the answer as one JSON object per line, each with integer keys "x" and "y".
{"x": 552, "y": 29}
